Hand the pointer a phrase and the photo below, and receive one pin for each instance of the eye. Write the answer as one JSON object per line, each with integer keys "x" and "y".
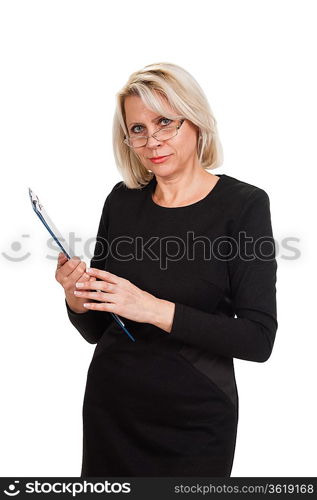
{"x": 167, "y": 119}
{"x": 136, "y": 129}
{"x": 133, "y": 129}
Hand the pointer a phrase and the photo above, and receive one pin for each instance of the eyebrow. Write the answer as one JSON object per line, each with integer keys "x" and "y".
{"x": 140, "y": 123}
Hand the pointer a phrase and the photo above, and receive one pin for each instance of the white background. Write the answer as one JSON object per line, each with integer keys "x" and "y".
{"x": 61, "y": 64}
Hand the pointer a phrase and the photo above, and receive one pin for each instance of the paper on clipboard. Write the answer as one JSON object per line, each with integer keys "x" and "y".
{"x": 50, "y": 226}
{"x": 65, "y": 247}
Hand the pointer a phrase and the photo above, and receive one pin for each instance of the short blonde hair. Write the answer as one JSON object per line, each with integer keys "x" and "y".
{"x": 185, "y": 96}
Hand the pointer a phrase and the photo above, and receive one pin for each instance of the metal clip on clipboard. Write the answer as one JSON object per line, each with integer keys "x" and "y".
{"x": 56, "y": 235}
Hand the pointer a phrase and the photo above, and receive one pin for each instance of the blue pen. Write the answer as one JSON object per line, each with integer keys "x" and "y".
{"x": 56, "y": 235}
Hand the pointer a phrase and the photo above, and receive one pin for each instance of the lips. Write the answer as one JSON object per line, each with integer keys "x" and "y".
{"x": 159, "y": 159}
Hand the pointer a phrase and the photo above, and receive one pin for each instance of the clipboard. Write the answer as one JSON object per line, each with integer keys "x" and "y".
{"x": 65, "y": 247}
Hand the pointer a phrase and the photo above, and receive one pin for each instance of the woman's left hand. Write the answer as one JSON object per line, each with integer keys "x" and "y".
{"x": 117, "y": 295}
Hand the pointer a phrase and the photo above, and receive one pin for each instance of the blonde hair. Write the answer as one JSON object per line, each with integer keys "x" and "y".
{"x": 185, "y": 96}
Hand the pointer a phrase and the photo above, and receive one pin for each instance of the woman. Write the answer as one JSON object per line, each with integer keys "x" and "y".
{"x": 187, "y": 259}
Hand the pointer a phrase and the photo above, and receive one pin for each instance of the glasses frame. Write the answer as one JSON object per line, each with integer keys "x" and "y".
{"x": 177, "y": 127}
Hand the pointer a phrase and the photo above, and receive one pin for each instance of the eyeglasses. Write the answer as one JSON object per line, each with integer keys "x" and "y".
{"x": 163, "y": 134}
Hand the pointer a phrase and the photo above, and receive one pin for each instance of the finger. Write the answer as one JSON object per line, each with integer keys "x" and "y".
{"x": 61, "y": 261}
{"x": 100, "y": 296}
{"x": 85, "y": 277}
{"x": 69, "y": 267}
{"x": 69, "y": 279}
{"x": 96, "y": 285}
{"x": 62, "y": 255}
{"x": 62, "y": 258}
{"x": 77, "y": 273}
{"x": 103, "y": 275}
{"x": 101, "y": 306}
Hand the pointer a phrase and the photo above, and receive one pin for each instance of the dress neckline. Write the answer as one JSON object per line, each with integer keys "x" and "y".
{"x": 216, "y": 187}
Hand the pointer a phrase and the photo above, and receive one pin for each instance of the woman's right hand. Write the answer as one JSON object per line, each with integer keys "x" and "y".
{"x": 68, "y": 273}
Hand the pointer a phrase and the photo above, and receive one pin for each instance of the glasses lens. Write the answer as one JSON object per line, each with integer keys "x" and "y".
{"x": 165, "y": 133}
{"x": 137, "y": 142}
{"x": 162, "y": 135}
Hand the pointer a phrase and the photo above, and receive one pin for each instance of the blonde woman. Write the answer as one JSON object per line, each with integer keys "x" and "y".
{"x": 187, "y": 259}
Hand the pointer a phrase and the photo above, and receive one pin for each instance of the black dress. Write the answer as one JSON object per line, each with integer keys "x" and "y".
{"x": 167, "y": 404}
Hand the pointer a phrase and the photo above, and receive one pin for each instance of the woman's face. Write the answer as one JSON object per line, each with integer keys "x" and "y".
{"x": 180, "y": 151}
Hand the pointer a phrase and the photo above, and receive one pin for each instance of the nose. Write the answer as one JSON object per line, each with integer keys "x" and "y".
{"x": 153, "y": 143}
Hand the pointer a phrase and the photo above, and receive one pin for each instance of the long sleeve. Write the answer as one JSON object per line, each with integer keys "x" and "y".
{"x": 250, "y": 335}
{"x": 92, "y": 324}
